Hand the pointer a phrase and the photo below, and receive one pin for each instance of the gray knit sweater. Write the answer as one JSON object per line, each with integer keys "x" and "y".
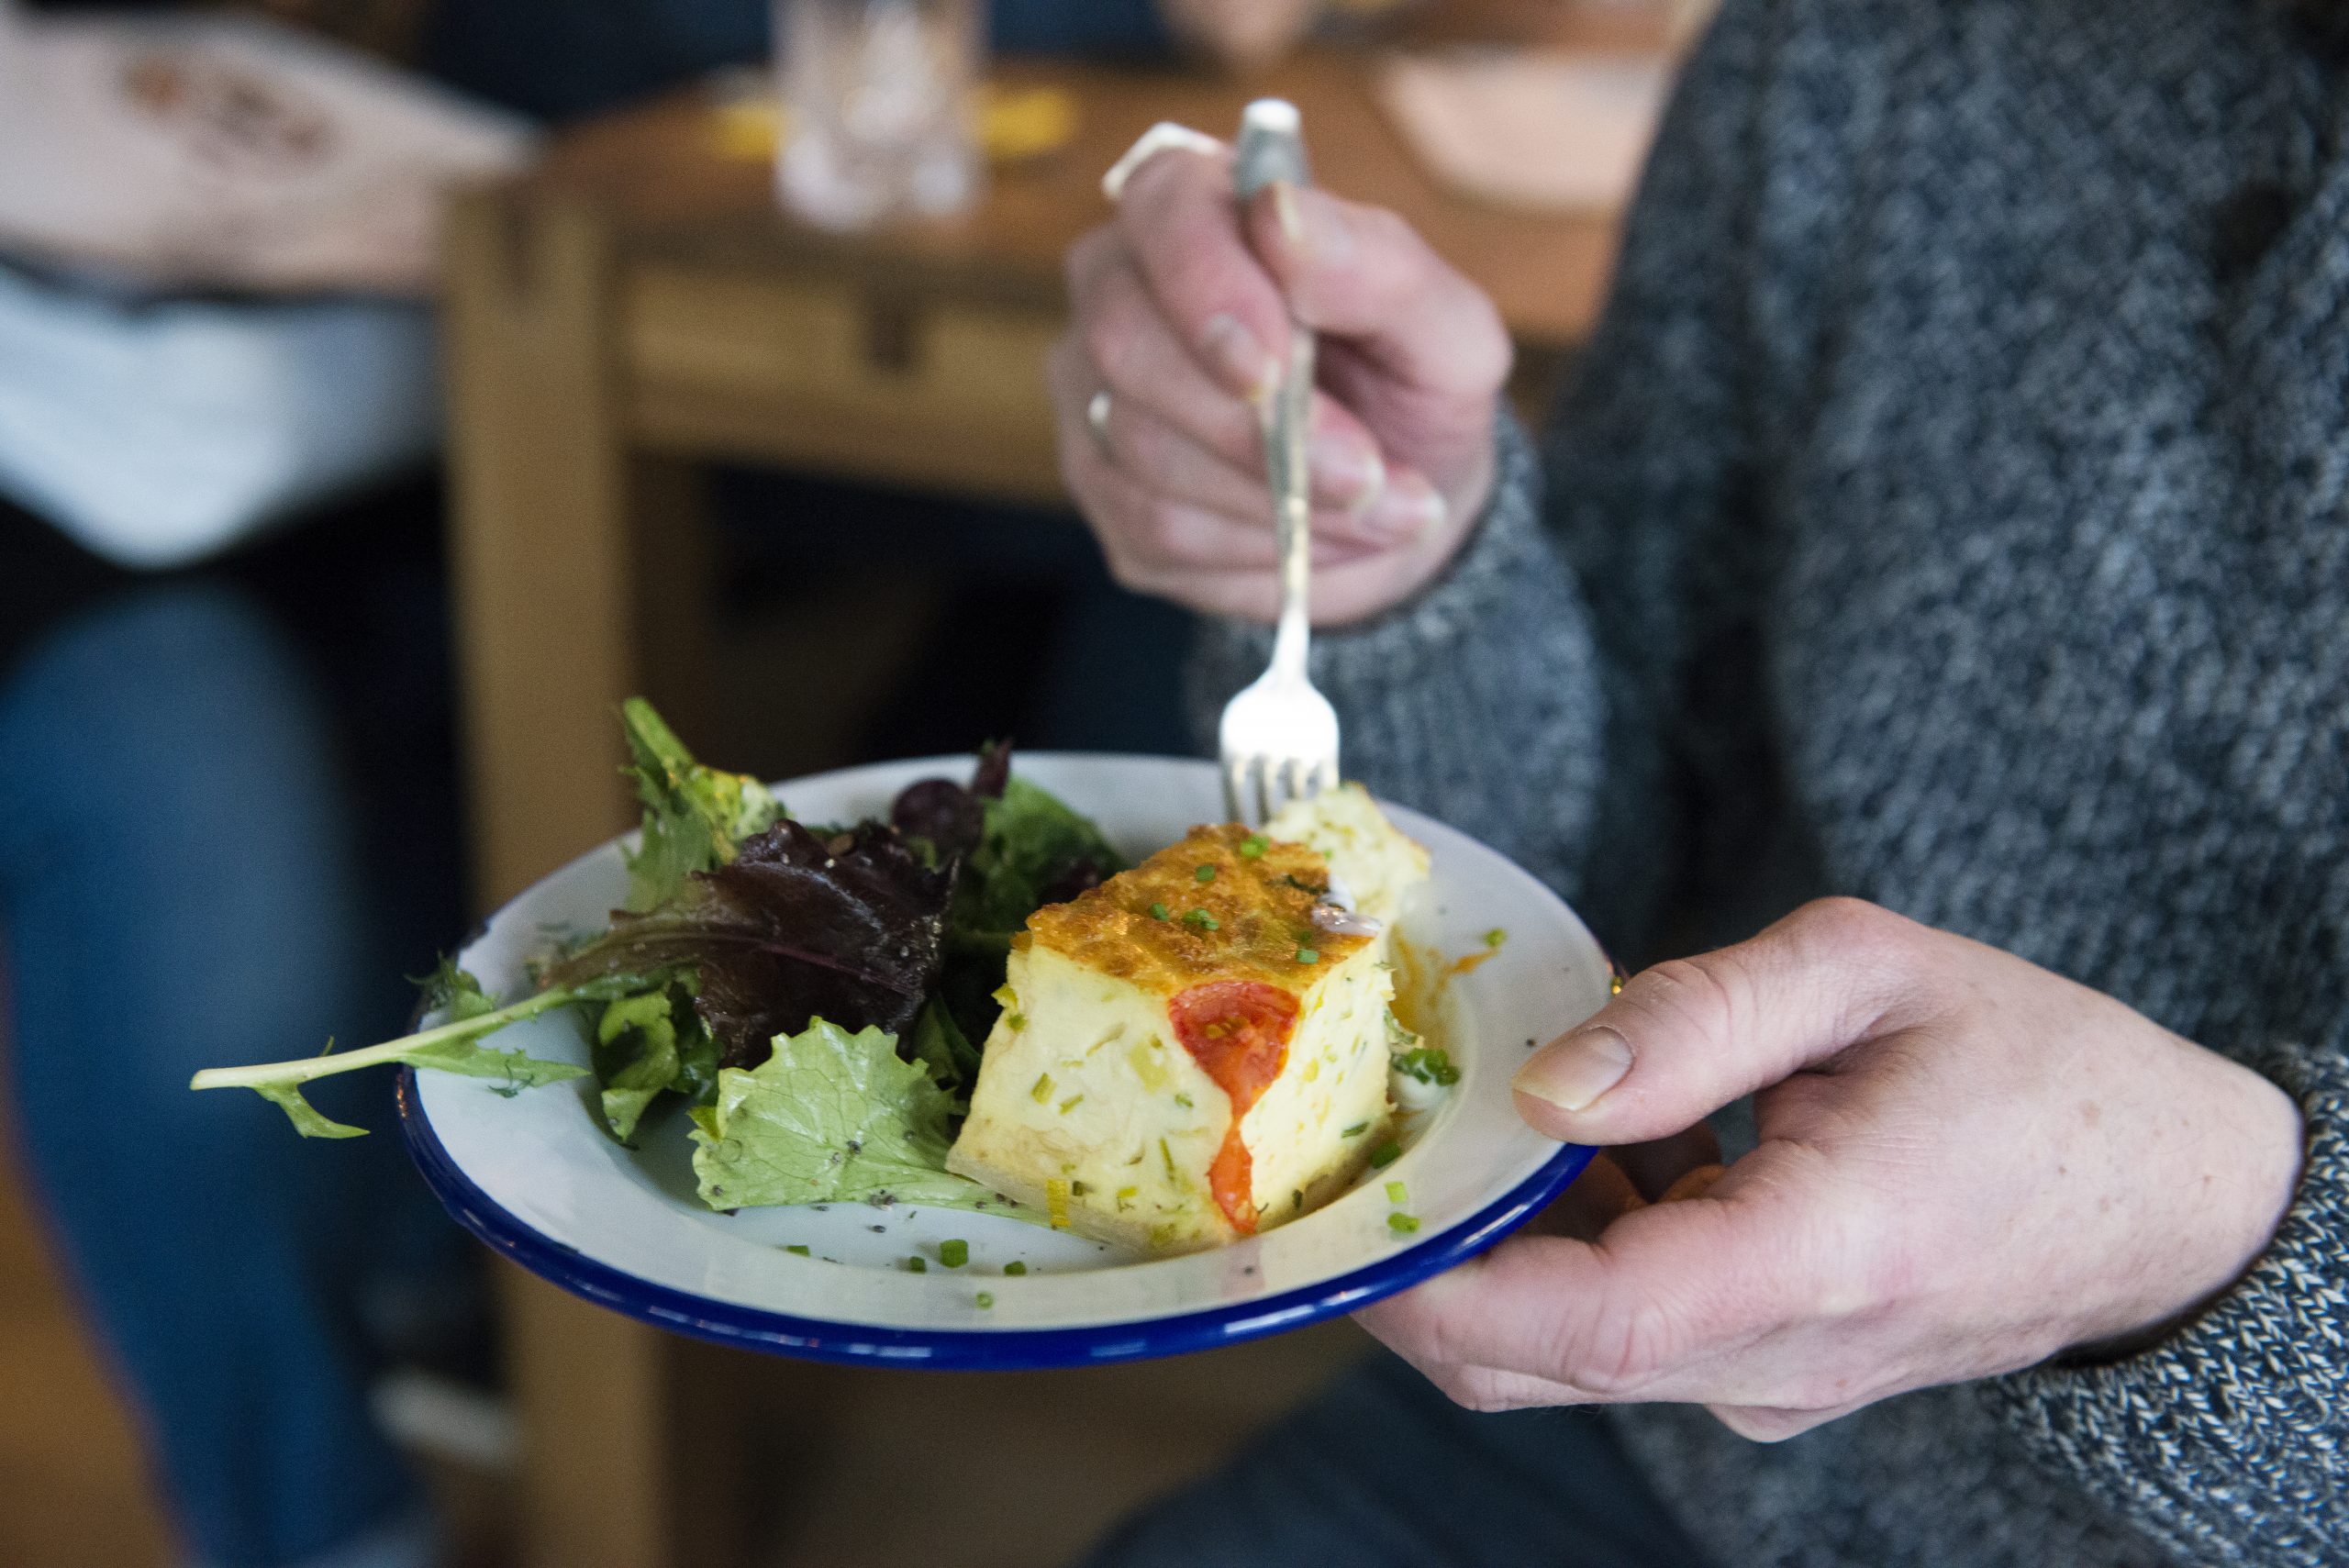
{"x": 1953, "y": 510}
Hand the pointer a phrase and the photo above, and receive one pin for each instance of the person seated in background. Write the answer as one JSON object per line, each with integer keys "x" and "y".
{"x": 227, "y": 829}
{"x": 185, "y": 867}
{"x": 1946, "y": 515}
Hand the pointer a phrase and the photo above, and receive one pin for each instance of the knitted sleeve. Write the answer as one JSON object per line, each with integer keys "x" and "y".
{"x": 1549, "y": 692}
{"x": 2230, "y": 1439}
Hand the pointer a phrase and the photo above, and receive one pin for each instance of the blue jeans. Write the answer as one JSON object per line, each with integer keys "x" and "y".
{"x": 1382, "y": 1471}
{"x": 178, "y": 890}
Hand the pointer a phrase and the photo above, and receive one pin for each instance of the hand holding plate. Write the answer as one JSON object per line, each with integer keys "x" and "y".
{"x": 1966, "y": 1165}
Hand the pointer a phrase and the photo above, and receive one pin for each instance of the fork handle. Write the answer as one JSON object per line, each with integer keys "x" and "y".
{"x": 1271, "y": 148}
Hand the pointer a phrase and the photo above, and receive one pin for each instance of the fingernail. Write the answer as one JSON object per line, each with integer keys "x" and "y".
{"x": 1572, "y": 1072}
{"x": 1312, "y": 223}
{"x": 1285, "y": 208}
{"x": 1236, "y": 356}
{"x": 1346, "y": 471}
{"x": 1406, "y": 507}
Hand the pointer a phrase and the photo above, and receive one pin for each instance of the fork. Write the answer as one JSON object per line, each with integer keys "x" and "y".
{"x": 1279, "y": 737}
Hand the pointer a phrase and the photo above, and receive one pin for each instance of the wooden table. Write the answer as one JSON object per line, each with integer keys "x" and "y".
{"x": 635, "y": 307}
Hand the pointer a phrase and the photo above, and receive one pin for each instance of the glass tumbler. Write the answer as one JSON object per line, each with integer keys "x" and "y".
{"x": 879, "y": 98}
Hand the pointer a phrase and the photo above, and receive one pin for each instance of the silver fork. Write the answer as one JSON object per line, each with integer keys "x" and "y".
{"x": 1279, "y": 737}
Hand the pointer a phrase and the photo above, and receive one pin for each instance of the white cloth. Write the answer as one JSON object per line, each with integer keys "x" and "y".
{"x": 156, "y": 432}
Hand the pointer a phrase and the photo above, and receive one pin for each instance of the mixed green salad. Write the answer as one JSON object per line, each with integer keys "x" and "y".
{"x": 810, "y": 995}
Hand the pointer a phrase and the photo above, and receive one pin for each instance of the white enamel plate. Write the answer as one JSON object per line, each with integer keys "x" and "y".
{"x": 533, "y": 1175}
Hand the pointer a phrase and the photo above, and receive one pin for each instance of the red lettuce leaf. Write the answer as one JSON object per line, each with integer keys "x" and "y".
{"x": 849, "y": 926}
{"x": 941, "y": 813}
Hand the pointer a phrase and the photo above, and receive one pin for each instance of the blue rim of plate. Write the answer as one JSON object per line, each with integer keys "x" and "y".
{"x": 963, "y": 1350}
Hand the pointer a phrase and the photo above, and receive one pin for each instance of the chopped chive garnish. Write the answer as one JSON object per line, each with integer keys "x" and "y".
{"x": 1015, "y": 1268}
{"x": 1043, "y": 1089}
{"x": 1127, "y": 1196}
{"x": 1429, "y": 1064}
{"x": 1396, "y": 1193}
{"x": 1071, "y": 1104}
{"x": 1183, "y": 1101}
{"x": 1168, "y": 1155}
{"x": 1356, "y": 1131}
{"x": 798, "y": 1250}
{"x": 1016, "y": 1022}
{"x": 1255, "y": 844}
{"x": 985, "y": 1298}
{"x": 1201, "y": 920}
{"x": 1205, "y": 874}
{"x": 1386, "y": 1154}
{"x": 1401, "y": 1224}
{"x": 1158, "y": 911}
{"x": 954, "y": 1254}
{"x": 1297, "y": 1199}
{"x": 1495, "y": 937}
{"x": 1078, "y": 1189}
{"x": 917, "y": 1265}
{"x": 1309, "y": 955}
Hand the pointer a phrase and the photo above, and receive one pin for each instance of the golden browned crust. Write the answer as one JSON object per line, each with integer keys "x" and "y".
{"x": 1260, "y": 906}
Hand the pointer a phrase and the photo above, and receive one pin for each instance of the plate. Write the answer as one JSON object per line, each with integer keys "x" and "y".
{"x": 533, "y": 1175}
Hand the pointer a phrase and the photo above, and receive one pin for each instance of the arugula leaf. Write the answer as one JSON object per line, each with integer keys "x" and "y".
{"x": 451, "y": 990}
{"x": 694, "y": 816}
{"x": 647, "y": 1044}
{"x": 833, "y": 1118}
{"x": 450, "y": 1047}
{"x": 851, "y": 926}
{"x": 309, "y": 1120}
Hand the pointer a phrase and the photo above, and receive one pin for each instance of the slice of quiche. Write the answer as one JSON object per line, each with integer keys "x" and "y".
{"x": 1197, "y": 1049}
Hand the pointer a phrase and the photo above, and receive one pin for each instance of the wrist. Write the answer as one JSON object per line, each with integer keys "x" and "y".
{"x": 2226, "y": 1209}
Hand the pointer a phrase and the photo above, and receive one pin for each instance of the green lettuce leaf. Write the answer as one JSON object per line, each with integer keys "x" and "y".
{"x": 833, "y": 1118}
{"x": 694, "y": 816}
{"x": 941, "y": 1045}
{"x": 1032, "y": 850}
{"x": 647, "y": 1044}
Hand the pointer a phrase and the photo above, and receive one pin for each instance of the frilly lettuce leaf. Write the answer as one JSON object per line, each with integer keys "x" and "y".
{"x": 833, "y": 1118}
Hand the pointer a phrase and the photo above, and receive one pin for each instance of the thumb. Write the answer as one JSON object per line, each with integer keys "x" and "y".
{"x": 1362, "y": 273}
{"x": 1688, "y": 1037}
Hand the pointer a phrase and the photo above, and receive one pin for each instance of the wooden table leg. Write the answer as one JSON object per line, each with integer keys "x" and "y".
{"x": 562, "y": 544}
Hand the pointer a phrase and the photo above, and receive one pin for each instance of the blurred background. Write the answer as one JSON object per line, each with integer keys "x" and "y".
{"x": 388, "y": 387}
